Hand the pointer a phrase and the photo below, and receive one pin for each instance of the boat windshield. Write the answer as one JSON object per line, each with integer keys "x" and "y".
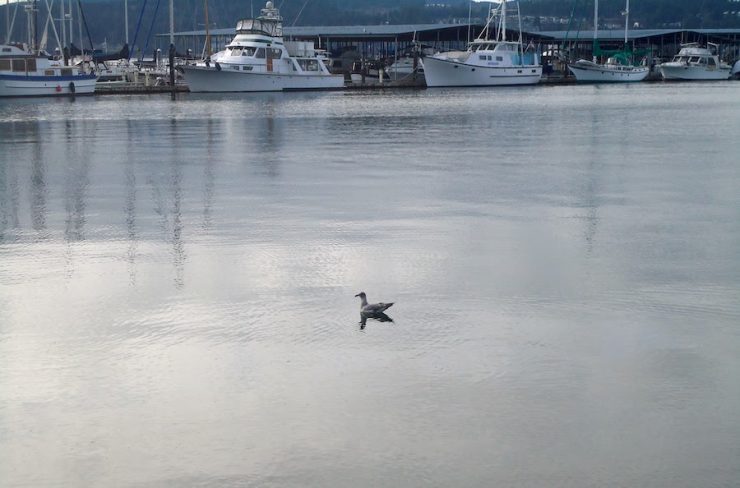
{"x": 259, "y": 26}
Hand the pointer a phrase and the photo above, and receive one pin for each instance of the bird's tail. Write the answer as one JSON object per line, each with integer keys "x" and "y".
{"x": 388, "y": 305}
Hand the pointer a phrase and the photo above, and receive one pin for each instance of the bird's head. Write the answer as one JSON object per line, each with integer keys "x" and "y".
{"x": 361, "y": 294}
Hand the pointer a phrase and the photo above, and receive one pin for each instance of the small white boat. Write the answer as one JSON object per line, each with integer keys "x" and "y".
{"x": 693, "y": 63}
{"x": 258, "y": 59}
{"x": 617, "y": 68}
{"x": 27, "y": 74}
{"x": 486, "y": 62}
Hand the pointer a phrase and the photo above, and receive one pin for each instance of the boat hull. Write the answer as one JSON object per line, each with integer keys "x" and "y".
{"x": 211, "y": 80}
{"x": 680, "y": 71}
{"x": 442, "y": 72}
{"x": 46, "y": 86}
{"x": 606, "y": 74}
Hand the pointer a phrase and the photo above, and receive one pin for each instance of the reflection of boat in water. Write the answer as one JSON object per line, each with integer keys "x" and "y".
{"x": 486, "y": 62}
{"x": 25, "y": 74}
{"x": 693, "y": 63}
{"x": 258, "y": 59}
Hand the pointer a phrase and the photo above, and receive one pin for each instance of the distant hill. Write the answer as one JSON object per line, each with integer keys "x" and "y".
{"x": 105, "y": 17}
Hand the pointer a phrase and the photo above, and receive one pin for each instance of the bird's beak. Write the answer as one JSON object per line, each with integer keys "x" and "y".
{"x": 357, "y": 295}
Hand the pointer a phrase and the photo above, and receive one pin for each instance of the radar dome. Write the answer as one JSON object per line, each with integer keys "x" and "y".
{"x": 269, "y": 5}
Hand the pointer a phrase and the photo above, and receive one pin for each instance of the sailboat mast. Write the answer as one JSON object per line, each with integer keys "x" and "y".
{"x": 7, "y": 21}
{"x": 626, "y": 22}
{"x": 63, "y": 24}
{"x": 35, "y": 25}
{"x": 503, "y": 20}
{"x": 208, "y": 30}
{"x": 172, "y": 21}
{"x": 596, "y": 29}
{"x": 125, "y": 19}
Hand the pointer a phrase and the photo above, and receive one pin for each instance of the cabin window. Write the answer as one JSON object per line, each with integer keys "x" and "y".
{"x": 260, "y": 53}
{"x": 277, "y": 53}
{"x": 482, "y": 58}
{"x": 237, "y": 51}
{"x": 711, "y": 62}
{"x": 694, "y": 59}
{"x": 48, "y": 72}
{"x": 66, "y": 71}
{"x": 248, "y": 51}
{"x": 19, "y": 65}
{"x": 31, "y": 64}
{"x": 499, "y": 58}
{"x": 490, "y": 58}
{"x": 6, "y": 49}
{"x": 246, "y": 68}
{"x": 235, "y": 68}
{"x": 308, "y": 64}
{"x": 4, "y": 65}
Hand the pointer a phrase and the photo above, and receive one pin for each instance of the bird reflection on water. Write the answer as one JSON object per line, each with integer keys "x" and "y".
{"x": 379, "y": 316}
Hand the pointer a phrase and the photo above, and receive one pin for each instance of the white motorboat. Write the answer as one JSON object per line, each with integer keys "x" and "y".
{"x": 486, "y": 62}
{"x": 24, "y": 73}
{"x": 736, "y": 69}
{"x": 617, "y": 68}
{"x": 258, "y": 59}
{"x": 694, "y": 62}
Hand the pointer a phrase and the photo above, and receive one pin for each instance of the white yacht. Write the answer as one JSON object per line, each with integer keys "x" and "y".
{"x": 617, "y": 67}
{"x": 24, "y": 73}
{"x": 486, "y": 62}
{"x": 258, "y": 59}
{"x": 694, "y": 62}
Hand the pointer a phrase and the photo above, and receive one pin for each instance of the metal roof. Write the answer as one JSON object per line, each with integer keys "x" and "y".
{"x": 617, "y": 34}
{"x": 387, "y": 31}
{"x": 344, "y": 31}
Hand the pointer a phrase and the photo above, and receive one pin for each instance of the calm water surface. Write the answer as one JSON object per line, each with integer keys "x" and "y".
{"x": 177, "y": 288}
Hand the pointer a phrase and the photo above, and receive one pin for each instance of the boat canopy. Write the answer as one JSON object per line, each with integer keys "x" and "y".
{"x": 260, "y": 26}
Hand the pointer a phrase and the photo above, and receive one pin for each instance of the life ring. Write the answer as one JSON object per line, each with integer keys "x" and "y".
{"x": 72, "y": 87}
{"x": 218, "y": 67}
{"x": 58, "y": 89}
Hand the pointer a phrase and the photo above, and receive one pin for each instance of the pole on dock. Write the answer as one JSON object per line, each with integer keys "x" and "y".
{"x": 172, "y": 70}
{"x": 125, "y": 19}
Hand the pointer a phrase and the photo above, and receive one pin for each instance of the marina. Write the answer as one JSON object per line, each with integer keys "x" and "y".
{"x": 386, "y": 56}
{"x": 475, "y": 253}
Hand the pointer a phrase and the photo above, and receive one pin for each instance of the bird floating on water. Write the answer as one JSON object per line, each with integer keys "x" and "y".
{"x": 371, "y": 308}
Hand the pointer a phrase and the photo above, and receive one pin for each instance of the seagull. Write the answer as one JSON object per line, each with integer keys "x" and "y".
{"x": 372, "y": 308}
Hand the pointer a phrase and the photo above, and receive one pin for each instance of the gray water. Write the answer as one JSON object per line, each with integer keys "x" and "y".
{"x": 177, "y": 288}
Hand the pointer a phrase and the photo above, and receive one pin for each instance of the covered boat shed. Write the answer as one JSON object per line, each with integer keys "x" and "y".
{"x": 660, "y": 43}
{"x": 372, "y": 40}
{"x": 383, "y": 41}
